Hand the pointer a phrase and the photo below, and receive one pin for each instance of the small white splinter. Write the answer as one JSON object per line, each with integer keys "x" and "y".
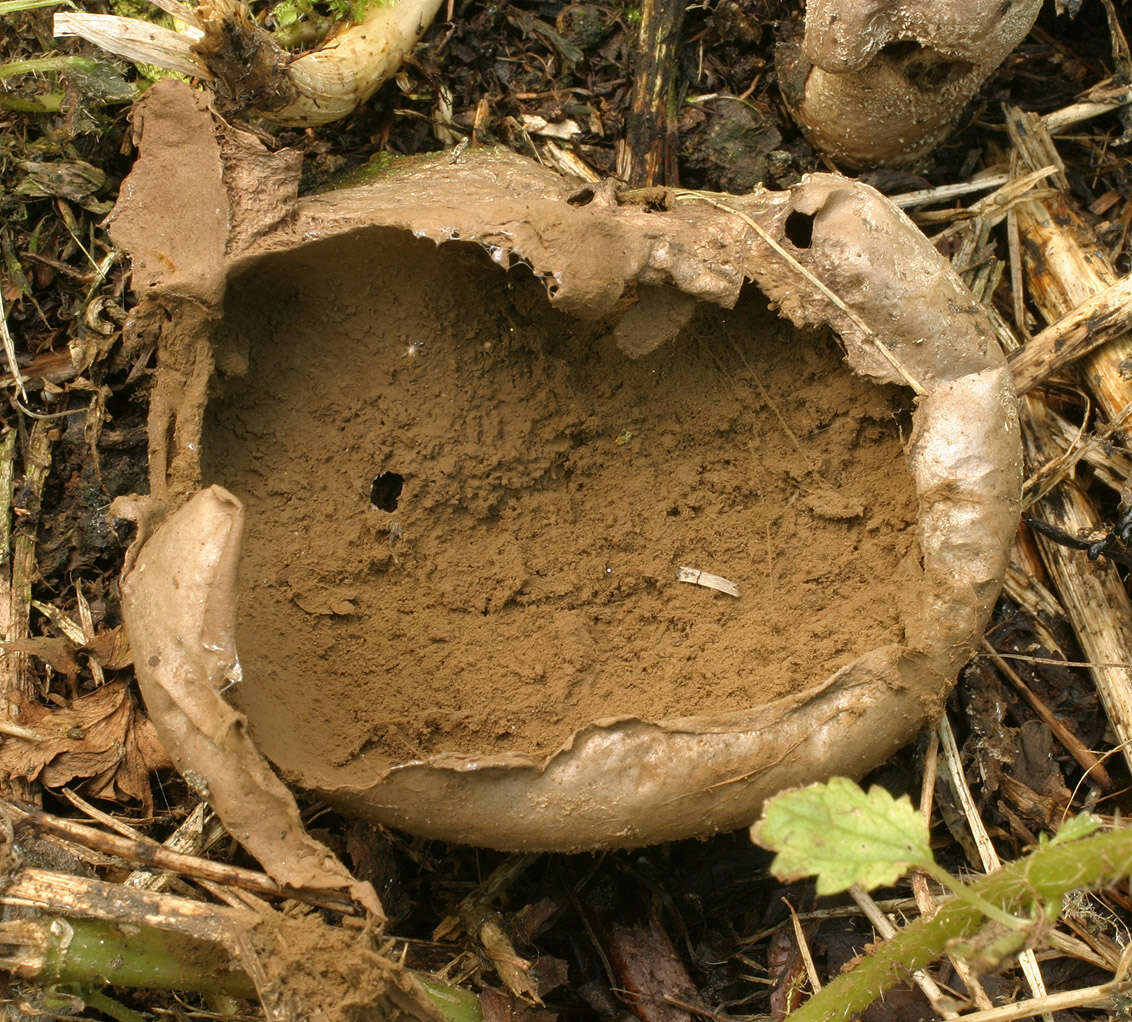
{"x": 707, "y": 580}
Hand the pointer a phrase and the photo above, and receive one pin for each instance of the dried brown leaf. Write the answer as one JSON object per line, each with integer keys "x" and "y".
{"x": 102, "y": 738}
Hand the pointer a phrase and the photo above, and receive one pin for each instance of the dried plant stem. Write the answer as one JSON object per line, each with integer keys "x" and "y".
{"x": 1075, "y": 113}
{"x": 1100, "y": 318}
{"x": 1091, "y": 592}
{"x": 142, "y": 850}
{"x": 647, "y": 154}
{"x": 188, "y": 839}
{"x": 1087, "y": 997}
{"x": 945, "y": 193}
{"x": 1065, "y": 268}
{"x": 15, "y": 676}
{"x": 987, "y": 854}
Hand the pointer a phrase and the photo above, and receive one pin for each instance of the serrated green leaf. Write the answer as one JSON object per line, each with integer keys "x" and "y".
{"x": 843, "y": 835}
{"x": 1076, "y": 827}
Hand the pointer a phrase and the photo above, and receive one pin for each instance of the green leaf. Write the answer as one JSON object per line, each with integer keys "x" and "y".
{"x": 1076, "y": 827}
{"x": 842, "y": 835}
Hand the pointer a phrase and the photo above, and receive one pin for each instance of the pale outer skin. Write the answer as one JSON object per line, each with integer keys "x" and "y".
{"x": 866, "y": 106}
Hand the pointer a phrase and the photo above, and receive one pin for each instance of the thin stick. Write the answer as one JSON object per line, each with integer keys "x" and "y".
{"x": 67, "y": 895}
{"x": 804, "y": 948}
{"x": 189, "y": 839}
{"x": 1058, "y": 120}
{"x": 987, "y": 854}
{"x": 1103, "y": 317}
{"x": 944, "y": 193}
{"x": 142, "y": 850}
{"x": 10, "y": 351}
{"x": 1086, "y": 997}
{"x": 1017, "y": 287}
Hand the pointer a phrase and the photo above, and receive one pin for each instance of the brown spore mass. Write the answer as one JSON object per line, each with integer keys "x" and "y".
{"x": 523, "y": 583}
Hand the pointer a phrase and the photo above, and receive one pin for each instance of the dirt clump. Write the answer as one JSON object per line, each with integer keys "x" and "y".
{"x": 466, "y": 511}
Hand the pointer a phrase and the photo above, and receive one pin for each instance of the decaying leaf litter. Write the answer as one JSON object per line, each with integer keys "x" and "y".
{"x": 1036, "y": 793}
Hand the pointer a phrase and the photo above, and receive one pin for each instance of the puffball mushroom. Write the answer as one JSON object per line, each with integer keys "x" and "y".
{"x": 221, "y": 43}
{"x": 875, "y": 82}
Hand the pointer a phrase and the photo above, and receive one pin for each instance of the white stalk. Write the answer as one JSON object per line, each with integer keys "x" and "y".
{"x": 318, "y": 87}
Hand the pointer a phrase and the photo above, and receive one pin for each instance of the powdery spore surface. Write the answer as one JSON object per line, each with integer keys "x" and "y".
{"x": 525, "y": 582}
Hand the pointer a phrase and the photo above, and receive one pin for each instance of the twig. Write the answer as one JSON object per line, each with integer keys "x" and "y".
{"x": 1058, "y": 120}
{"x": 647, "y": 155}
{"x": 187, "y": 839}
{"x": 1086, "y": 997}
{"x": 143, "y": 850}
{"x": 987, "y": 854}
{"x": 10, "y": 351}
{"x": 944, "y": 193}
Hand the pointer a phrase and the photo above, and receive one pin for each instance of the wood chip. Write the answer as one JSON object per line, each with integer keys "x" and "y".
{"x": 708, "y": 581}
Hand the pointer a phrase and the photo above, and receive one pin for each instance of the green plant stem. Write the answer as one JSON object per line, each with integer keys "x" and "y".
{"x": 1046, "y": 875}
{"x": 14, "y": 6}
{"x": 455, "y": 1003}
{"x": 108, "y": 1006}
{"x": 45, "y": 103}
{"x": 86, "y": 953}
{"x": 42, "y": 65}
{"x": 89, "y": 951}
{"x": 967, "y": 894}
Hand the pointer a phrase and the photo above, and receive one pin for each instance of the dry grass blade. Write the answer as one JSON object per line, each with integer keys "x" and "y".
{"x": 136, "y": 40}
